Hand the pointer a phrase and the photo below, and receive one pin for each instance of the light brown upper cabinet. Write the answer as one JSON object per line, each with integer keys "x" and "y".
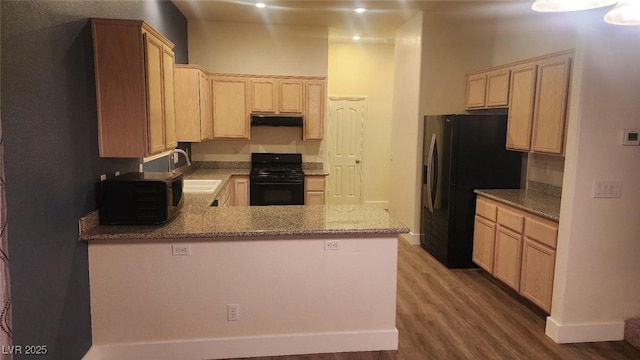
{"x": 230, "y": 107}
{"x": 276, "y": 95}
{"x": 538, "y": 106}
{"x": 314, "y": 93}
{"x": 476, "y": 91}
{"x": 134, "y": 70}
{"x": 523, "y": 88}
{"x": 488, "y": 89}
{"x": 290, "y": 96}
{"x": 194, "y": 110}
{"x": 550, "y": 111}
{"x": 263, "y": 95}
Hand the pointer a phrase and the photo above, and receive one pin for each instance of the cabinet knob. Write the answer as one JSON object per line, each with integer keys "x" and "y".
{"x": 357, "y": 161}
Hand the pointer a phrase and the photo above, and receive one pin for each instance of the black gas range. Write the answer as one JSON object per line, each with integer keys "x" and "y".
{"x": 276, "y": 179}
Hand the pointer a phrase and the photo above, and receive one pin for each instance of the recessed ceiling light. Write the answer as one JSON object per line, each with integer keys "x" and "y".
{"x": 356, "y": 37}
{"x": 260, "y": 5}
{"x": 360, "y": 10}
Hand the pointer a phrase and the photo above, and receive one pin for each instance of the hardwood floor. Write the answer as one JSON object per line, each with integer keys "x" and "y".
{"x": 465, "y": 314}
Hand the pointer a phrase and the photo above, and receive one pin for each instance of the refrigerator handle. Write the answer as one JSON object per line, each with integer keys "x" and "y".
{"x": 430, "y": 164}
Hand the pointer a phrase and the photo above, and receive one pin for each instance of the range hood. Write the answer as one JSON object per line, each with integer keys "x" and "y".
{"x": 276, "y": 120}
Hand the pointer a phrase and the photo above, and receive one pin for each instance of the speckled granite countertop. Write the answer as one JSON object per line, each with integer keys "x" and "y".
{"x": 198, "y": 219}
{"x": 258, "y": 221}
{"x": 535, "y": 202}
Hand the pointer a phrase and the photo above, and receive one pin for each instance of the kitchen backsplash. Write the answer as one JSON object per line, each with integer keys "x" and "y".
{"x": 245, "y": 165}
{"x": 544, "y": 188}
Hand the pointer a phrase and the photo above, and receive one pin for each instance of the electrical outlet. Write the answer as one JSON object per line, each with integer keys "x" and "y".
{"x": 233, "y": 312}
{"x": 103, "y": 177}
{"x": 117, "y": 173}
{"x": 332, "y": 244}
{"x": 175, "y": 158}
{"x": 182, "y": 249}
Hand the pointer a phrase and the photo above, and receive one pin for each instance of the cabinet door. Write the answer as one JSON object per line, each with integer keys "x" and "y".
{"x": 168, "y": 77}
{"x": 497, "y": 94}
{"x": 290, "y": 95}
{"x": 187, "y": 105}
{"x": 206, "y": 109}
{"x": 155, "y": 115}
{"x": 521, "y": 102}
{"x": 507, "y": 258}
{"x": 241, "y": 190}
{"x": 484, "y": 233}
{"x": 314, "y": 190}
{"x": 230, "y": 115}
{"x": 314, "y": 198}
{"x": 263, "y": 95}
{"x": 476, "y": 90}
{"x": 538, "y": 265}
{"x": 549, "y": 116}
{"x": 314, "y": 109}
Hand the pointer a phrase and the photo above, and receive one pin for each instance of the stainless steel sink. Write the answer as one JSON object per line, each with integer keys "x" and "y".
{"x": 200, "y": 185}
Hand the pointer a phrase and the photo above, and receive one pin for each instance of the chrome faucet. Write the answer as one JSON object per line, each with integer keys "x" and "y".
{"x": 180, "y": 151}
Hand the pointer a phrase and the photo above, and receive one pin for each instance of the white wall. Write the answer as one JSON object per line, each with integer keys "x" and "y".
{"x": 452, "y": 46}
{"x": 366, "y": 70}
{"x": 293, "y": 296}
{"x": 241, "y": 48}
{"x": 432, "y": 59}
{"x": 597, "y": 268}
{"x": 595, "y": 287}
{"x": 405, "y": 132}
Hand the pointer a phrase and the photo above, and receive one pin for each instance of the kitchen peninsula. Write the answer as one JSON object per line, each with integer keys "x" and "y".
{"x": 241, "y": 281}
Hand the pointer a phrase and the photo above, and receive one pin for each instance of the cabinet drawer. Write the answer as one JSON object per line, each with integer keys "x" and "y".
{"x": 486, "y": 209}
{"x": 545, "y": 233}
{"x": 511, "y": 220}
{"x": 314, "y": 183}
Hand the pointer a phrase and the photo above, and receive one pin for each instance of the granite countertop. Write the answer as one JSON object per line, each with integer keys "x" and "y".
{"x": 315, "y": 172}
{"x": 535, "y": 202}
{"x": 198, "y": 219}
{"x": 257, "y": 221}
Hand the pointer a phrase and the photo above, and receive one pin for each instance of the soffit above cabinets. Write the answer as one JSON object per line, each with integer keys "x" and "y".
{"x": 377, "y": 24}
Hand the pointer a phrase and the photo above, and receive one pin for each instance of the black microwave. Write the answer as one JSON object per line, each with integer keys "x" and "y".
{"x": 141, "y": 198}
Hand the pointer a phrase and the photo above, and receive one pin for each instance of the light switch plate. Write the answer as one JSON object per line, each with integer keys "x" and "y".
{"x": 607, "y": 189}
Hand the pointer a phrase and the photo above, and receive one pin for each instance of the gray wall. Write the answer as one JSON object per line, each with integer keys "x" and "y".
{"x": 51, "y": 158}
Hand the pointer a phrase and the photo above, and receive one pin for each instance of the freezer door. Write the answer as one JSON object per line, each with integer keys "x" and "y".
{"x": 435, "y": 196}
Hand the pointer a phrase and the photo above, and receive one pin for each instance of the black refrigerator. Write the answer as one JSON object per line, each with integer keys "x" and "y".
{"x": 461, "y": 153}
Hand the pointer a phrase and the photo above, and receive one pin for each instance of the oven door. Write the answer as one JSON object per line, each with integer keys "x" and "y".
{"x": 276, "y": 194}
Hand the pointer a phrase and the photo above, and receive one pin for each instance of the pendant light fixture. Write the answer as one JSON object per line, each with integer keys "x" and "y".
{"x": 569, "y": 5}
{"x": 627, "y": 12}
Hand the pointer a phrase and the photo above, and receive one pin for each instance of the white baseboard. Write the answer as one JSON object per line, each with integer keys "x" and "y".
{"x": 584, "y": 332}
{"x": 225, "y": 348}
{"x": 380, "y": 204}
{"x": 411, "y": 238}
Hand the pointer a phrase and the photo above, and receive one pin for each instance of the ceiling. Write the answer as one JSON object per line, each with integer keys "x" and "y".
{"x": 378, "y": 23}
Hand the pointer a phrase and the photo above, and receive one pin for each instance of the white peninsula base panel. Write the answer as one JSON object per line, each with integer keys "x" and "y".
{"x": 293, "y": 297}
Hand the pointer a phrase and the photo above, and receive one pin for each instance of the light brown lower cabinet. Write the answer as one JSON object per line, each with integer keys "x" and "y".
{"x": 516, "y": 247}
{"x": 235, "y": 192}
{"x": 314, "y": 192}
{"x": 240, "y": 190}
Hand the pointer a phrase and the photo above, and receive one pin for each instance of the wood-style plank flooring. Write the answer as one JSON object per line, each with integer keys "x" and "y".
{"x": 465, "y": 314}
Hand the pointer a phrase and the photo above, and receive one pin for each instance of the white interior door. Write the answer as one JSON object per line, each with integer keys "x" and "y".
{"x": 346, "y": 123}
